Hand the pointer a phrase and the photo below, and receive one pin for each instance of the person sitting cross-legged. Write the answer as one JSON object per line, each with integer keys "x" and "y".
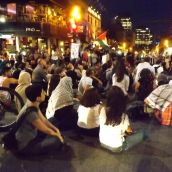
{"x": 115, "y": 130}
{"x": 88, "y": 113}
{"x": 36, "y": 135}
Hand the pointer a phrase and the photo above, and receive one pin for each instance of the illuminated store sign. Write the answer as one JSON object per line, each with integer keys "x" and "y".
{"x": 32, "y": 29}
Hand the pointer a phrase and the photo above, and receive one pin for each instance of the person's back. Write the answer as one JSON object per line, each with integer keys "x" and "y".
{"x": 85, "y": 82}
{"x": 112, "y": 136}
{"x": 89, "y": 109}
{"x": 114, "y": 123}
{"x": 145, "y": 85}
{"x": 142, "y": 66}
{"x": 123, "y": 84}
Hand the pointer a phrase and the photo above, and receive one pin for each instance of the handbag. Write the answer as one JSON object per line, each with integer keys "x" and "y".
{"x": 9, "y": 140}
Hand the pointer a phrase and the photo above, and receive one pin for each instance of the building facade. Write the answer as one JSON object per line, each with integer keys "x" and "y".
{"x": 89, "y": 25}
{"x": 31, "y": 24}
{"x": 126, "y": 23}
{"x": 94, "y": 22}
{"x": 143, "y": 38}
{"x": 128, "y": 34}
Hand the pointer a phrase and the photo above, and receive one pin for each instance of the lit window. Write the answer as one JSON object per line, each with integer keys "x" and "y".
{"x": 11, "y": 9}
{"x": 29, "y": 9}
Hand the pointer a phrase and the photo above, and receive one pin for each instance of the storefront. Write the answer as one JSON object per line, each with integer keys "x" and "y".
{"x": 15, "y": 36}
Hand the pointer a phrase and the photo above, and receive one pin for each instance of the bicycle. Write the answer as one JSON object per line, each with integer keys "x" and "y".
{"x": 10, "y": 105}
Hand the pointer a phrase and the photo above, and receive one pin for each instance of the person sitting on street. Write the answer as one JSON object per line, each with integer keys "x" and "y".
{"x": 116, "y": 133}
{"x": 60, "y": 105}
{"x": 36, "y": 135}
{"x": 88, "y": 113}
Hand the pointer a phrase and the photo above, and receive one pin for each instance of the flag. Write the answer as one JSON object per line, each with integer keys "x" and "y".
{"x": 102, "y": 36}
{"x": 102, "y": 40}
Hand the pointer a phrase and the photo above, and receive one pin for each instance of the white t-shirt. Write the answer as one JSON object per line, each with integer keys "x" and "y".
{"x": 88, "y": 117}
{"x": 124, "y": 84}
{"x": 142, "y": 66}
{"x": 85, "y": 81}
{"x": 112, "y": 136}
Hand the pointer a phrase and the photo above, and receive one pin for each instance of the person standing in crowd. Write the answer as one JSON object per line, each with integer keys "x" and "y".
{"x": 116, "y": 133}
{"x": 36, "y": 135}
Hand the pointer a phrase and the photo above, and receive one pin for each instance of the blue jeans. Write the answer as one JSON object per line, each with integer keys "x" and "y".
{"x": 133, "y": 139}
{"x": 129, "y": 142}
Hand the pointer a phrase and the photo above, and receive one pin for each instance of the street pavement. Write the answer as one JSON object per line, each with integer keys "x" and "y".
{"x": 85, "y": 155}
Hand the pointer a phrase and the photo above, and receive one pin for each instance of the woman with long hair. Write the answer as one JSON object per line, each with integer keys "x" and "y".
{"x": 120, "y": 77}
{"x": 88, "y": 113}
{"x": 115, "y": 131}
{"x": 145, "y": 84}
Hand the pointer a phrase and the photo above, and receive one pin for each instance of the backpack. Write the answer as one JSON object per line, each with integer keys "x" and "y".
{"x": 9, "y": 140}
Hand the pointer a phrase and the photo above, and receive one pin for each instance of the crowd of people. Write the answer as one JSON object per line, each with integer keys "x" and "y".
{"x": 101, "y": 84}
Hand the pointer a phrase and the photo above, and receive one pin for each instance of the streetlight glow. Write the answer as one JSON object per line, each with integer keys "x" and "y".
{"x": 166, "y": 43}
{"x": 2, "y": 19}
{"x": 76, "y": 13}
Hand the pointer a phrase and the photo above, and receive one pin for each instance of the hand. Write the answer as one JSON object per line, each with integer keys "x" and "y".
{"x": 59, "y": 136}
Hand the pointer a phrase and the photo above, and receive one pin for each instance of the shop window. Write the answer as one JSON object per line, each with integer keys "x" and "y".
{"x": 11, "y": 9}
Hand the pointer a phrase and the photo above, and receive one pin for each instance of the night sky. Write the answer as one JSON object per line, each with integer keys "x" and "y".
{"x": 155, "y": 14}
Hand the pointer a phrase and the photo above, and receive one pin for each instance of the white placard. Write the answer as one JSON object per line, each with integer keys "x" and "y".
{"x": 75, "y": 50}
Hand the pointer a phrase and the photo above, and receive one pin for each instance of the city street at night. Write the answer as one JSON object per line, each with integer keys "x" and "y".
{"x": 85, "y": 86}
